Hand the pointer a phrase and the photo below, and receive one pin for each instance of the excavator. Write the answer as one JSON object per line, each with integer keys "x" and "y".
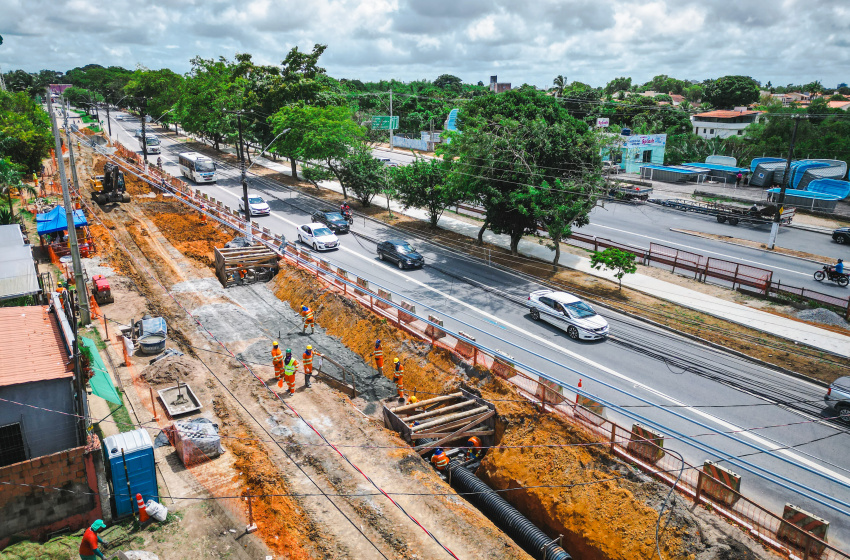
{"x": 109, "y": 187}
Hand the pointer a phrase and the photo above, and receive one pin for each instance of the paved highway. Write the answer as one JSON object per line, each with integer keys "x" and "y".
{"x": 698, "y": 390}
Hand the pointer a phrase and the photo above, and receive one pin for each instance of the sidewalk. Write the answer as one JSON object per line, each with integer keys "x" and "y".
{"x": 790, "y": 329}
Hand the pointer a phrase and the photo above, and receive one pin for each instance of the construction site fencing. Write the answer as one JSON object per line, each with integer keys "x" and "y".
{"x": 638, "y": 445}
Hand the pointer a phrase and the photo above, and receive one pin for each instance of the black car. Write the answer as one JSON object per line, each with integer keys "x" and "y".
{"x": 401, "y": 253}
{"x": 842, "y": 235}
{"x": 332, "y": 219}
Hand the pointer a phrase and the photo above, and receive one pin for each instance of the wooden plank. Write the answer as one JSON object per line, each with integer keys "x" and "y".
{"x": 438, "y": 435}
{"x": 451, "y": 437}
{"x": 426, "y": 402}
{"x": 438, "y": 411}
{"x": 459, "y": 422}
{"x": 449, "y": 417}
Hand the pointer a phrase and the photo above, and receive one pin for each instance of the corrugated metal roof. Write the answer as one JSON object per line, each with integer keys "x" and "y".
{"x": 31, "y": 346}
{"x": 726, "y": 114}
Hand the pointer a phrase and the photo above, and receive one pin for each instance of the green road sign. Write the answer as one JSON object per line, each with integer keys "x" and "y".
{"x": 384, "y": 123}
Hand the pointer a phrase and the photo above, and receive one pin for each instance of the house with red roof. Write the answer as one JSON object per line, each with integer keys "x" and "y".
{"x": 723, "y": 124}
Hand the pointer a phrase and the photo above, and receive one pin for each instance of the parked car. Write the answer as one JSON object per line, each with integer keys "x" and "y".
{"x": 568, "y": 313}
{"x": 317, "y": 236}
{"x": 841, "y": 235}
{"x": 332, "y": 219}
{"x": 610, "y": 168}
{"x": 259, "y": 207}
{"x": 838, "y": 397}
{"x": 401, "y": 253}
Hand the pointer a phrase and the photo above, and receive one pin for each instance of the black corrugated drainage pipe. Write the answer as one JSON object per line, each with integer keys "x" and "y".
{"x": 521, "y": 530}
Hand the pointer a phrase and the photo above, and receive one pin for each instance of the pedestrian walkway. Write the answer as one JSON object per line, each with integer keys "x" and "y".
{"x": 790, "y": 329}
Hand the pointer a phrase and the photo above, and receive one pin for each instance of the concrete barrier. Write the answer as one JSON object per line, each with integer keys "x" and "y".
{"x": 407, "y": 317}
{"x": 435, "y": 332}
{"x": 503, "y": 369}
{"x": 383, "y": 295}
{"x": 590, "y": 404}
{"x": 364, "y": 284}
{"x": 794, "y": 518}
{"x": 646, "y": 443}
{"x": 549, "y": 392}
{"x": 727, "y": 490}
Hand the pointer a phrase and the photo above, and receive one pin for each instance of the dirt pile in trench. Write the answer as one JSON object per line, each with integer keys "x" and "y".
{"x": 185, "y": 231}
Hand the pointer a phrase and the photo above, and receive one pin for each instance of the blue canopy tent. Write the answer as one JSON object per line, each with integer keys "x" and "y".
{"x": 55, "y": 220}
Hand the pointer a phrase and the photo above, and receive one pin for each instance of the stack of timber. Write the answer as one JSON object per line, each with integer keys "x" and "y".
{"x": 245, "y": 265}
{"x": 444, "y": 421}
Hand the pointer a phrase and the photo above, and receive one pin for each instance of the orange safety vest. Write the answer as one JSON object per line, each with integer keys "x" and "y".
{"x": 308, "y": 358}
{"x": 308, "y": 315}
{"x": 440, "y": 461}
{"x": 378, "y": 354}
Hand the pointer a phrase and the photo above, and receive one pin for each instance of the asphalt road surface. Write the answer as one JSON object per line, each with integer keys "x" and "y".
{"x": 692, "y": 389}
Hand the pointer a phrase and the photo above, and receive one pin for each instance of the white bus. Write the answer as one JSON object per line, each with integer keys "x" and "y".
{"x": 153, "y": 144}
{"x": 197, "y": 167}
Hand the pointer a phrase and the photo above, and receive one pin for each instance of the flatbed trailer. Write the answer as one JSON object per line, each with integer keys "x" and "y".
{"x": 626, "y": 191}
{"x": 728, "y": 212}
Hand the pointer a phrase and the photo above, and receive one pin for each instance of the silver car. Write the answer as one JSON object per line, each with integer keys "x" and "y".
{"x": 569, "y": 313}
{"x": 838, "y": 397}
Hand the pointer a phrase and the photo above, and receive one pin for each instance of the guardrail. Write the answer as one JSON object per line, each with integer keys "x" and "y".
{"x": 716, "y": 488}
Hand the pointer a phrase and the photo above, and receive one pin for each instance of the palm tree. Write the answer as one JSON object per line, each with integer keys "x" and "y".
{"x": 560, "y": 83}
{"x": 10, "y": 178}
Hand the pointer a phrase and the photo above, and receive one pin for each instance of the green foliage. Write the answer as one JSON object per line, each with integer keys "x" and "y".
{"x": 618, "y": 84}
{"x": 424, "y": 184}
{"x": 560, "y": 84}
{"x": 447, "y": 81}
{"x": 694, "y": 93}
{"x": 363, "y": 174}
{"x": 317, "y": 134}
{"x": 11, "y": 178}
{"x": 25, "y": 133}
{"x": 207, "y": 93}
{"x": 732, "y": 91}
{"x": 621, "y": 262}
{"x": 161, "y": 88}
{"x": 109, "y": 82}
{"x": 82, "y": 98}
{"x": 688, "y": 147}
{"x": 665, "y": 84}
{"x": 565, "y": 205}
{"x": 821, "y": 138}
{"x": 33, "y": 84}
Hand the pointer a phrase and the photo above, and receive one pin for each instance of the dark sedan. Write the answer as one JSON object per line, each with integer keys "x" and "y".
{"x": 333, "y": 220}
{"x": 842, "y": 235}
{"x": 401, "y": 253}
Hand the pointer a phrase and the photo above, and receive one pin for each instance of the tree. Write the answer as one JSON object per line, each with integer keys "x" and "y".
{"x": 161, "y": 88}
{"x": 449, "y": 82}
{"x": 81, "y": 98}
{"x": 618, "y": 84}
{"x": 508, "y": 146}
{"x": 564, "y": 205}
{"x": 560, "y": 82}
{"x": 207, "y": 94}
{"x": 317, "y": 134}
{"x": 25, "y": 133}
{"x": 813, "y": 87}
{"x": 621, "y": 262}
{"x": 424, "y": 184}
{"x": 10, "y": 178}
{"x": 363, "y": 174}
{"x": 732, "y": 91}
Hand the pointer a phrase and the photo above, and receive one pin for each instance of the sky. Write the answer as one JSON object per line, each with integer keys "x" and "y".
{"x": 521, "y": 41}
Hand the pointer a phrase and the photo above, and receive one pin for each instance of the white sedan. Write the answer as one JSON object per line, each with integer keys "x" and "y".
{"x": 259, "y": 207}
{"x": 317, "y": 236}
{"x": 569, "y": 313}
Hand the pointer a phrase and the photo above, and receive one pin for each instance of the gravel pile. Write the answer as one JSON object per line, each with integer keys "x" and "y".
{"x": 823, "y": 316}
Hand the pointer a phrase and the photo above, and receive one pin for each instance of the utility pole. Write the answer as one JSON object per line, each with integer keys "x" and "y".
{"x": 241, "y": 153}
{"x": 65, "y": 109}
{"x": 85, "y": 316}
{"x": 108, "y": 120}
{"x": 144, "y": 138}
{"x": 391, "y": 118}
{"x": 774, "y": 228}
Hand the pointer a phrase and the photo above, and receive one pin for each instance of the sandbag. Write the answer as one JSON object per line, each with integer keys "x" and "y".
{"x": 156, "y": 510}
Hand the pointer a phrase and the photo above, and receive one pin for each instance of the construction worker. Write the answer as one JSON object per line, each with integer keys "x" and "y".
{"x": 308, "y": 365}
{"x": 378, "y": 354}
{"x": 277, "y": 361}
{"x": 439, "y": 459}
{"x": 89, "y": 545}
{"x": 398, "y": 378}
{"x": 473, "y": 447}
{"x": 307, "y": 313}
{"x": 289, "y": 366}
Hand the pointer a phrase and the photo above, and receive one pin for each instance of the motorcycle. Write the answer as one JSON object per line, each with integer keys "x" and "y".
{"x": 347, "y": 215}
{"x": 829, "y": 273}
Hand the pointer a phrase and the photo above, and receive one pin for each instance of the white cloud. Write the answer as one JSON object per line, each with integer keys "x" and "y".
{"x": 527, "y": 41}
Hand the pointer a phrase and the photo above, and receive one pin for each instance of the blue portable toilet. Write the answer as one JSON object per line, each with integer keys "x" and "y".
{"x": 141, "y": 468}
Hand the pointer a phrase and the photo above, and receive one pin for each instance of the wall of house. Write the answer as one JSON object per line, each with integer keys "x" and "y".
{"x": 44, "y": 432}
{"x": 34, "y": 512}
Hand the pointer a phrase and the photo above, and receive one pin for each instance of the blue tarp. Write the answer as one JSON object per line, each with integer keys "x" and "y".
{"x": 55, "y": 220}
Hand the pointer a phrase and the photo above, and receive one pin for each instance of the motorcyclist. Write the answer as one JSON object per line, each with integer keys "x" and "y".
{"x": 839, "y": 266}
{"x": 344, "y": 209}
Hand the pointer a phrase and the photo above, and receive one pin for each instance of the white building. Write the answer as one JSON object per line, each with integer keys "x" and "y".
{"x": 723, "y": 124}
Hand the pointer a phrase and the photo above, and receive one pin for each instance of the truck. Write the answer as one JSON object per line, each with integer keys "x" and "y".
{"x": 153, "y": 144}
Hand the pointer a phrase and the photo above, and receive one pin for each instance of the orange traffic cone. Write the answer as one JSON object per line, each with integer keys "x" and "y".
{"x": 579, "y": 386}
{"x": 280, "y": 383}
{"x": 143, "y": 514}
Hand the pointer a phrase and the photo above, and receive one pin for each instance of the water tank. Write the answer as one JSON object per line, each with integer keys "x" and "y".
{"x": 141, "y": 469}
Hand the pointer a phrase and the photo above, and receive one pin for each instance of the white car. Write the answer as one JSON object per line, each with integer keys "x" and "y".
{"x": 259, "y": 207}
{"x": 569, "y": 313}
{"x": 317, "y": 236}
